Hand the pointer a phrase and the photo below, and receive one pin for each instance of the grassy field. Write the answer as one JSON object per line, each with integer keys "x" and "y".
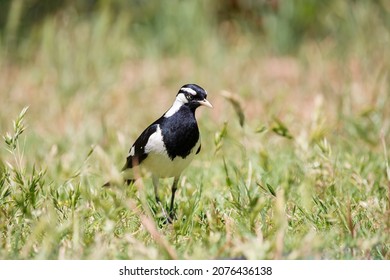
{"x": 295, "y": 154}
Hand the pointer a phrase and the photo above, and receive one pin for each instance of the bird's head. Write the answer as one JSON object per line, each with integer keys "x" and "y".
{"x": 193, "y": 96}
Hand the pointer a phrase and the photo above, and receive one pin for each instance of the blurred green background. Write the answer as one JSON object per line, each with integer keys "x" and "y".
{"x": 294, "y": 159}
{"x": 64, "y": 50}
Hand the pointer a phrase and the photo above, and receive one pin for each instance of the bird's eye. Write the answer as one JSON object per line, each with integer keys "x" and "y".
{"x": 189, "y": 97}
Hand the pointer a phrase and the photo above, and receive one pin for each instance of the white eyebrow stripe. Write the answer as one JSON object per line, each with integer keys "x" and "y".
{"x": 188, "y": 90}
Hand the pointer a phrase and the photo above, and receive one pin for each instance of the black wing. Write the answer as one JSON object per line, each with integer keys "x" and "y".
{"x": 139, "y": 148}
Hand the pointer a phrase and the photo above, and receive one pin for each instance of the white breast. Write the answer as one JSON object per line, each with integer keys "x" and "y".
{"x": 164, "y": 167}
{"x": 159, "y": 163}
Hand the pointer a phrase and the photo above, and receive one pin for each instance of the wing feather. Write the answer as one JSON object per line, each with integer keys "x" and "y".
{"x": 137, "y": 152}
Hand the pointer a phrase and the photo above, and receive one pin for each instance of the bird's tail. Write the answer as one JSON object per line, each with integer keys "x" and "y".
{"x": 110, "y": 184}
{"x": 107, "y": 184}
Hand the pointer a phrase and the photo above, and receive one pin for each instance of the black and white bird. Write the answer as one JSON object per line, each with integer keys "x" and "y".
{"x": 168, "y": 145}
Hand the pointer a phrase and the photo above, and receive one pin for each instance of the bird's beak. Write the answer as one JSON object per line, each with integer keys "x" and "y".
{"x": 206, "y": 103}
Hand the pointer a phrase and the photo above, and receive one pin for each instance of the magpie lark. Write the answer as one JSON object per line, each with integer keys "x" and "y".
{"x": 168, "y": 145}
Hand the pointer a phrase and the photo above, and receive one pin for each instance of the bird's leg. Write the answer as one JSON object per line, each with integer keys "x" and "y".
{"x": 174, "y": 188}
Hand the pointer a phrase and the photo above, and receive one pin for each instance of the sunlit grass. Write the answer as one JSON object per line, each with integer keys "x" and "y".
{"x": 293, "y": 162}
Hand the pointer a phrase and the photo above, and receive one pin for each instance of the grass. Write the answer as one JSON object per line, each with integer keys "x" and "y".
{"x": 294, "y": 161}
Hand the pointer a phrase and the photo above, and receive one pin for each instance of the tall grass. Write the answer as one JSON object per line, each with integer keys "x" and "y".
{"x": 294, "y": 160}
